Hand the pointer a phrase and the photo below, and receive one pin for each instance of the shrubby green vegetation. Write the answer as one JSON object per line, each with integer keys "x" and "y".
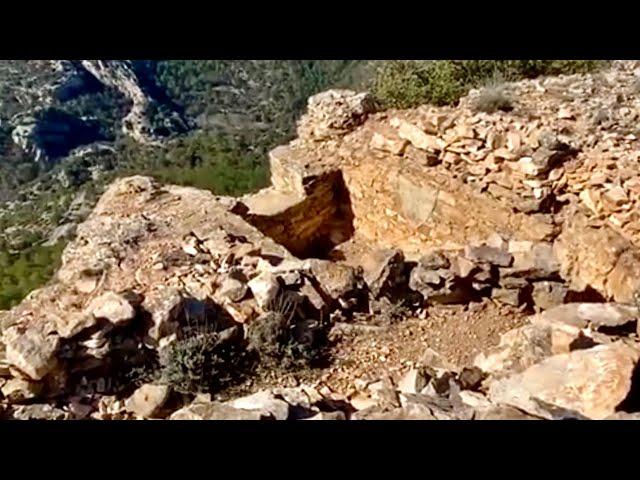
{"x": 214, "y": 162}
{"x": 23, "y": 272}
{"x": 266, "y": 90}
{"x": 408, "y": 83}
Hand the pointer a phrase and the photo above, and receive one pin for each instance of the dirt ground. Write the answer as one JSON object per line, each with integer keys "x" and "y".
{"x": 457, "y": 332}
{"x": 367, "y": 352}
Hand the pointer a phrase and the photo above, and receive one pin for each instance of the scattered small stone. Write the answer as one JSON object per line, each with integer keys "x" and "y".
{"x": 470, "y": 378}
{"x": 547, "y": 294}
{"x": 328, "y": 416}
{"x": 233, "y": 289}
{"x": 38, "y": 412}
{"x": 214, "y": 411}
{"x": 264, "y": 402}
{"x": 487, "y": 254}
{"x": 265, "y": 288}
{"x": 509, "y": 296}
{"x": 18, "y": 390}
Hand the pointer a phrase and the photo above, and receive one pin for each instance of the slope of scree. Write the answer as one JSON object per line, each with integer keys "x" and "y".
{"x": 391, "y": 249}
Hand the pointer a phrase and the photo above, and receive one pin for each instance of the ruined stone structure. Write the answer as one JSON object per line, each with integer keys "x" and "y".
{"x": 535, "y": 208}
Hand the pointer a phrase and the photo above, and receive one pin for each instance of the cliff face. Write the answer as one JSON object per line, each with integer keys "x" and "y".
{"x": 369, "y": 215}
{"x": 120, "y": 75}
{"x": 36, "y": 127}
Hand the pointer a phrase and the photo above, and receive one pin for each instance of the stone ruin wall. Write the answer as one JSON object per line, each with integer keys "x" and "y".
{"x": 373, "y": 187}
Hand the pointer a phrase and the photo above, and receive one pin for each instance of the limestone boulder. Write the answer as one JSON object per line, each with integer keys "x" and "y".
{"x": 590, "y": 383}
{"x": 612, "y": 269}
{"x": 31, "y": 350}
{"x": 214, "y": 411}
{"x": 147, "y": 400}
{"x": 112, "y": 306}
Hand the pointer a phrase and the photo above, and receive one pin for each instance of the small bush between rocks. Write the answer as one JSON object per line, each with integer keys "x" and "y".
{"x": 281, "y": 339}
{"x": 207, "y": 355}
{"x": 493, "y": 98}
{"x": 280, "y": 344}
{"x": 205, "y": 360}
{"x": 185, "y": 364}
{"x": 408, "y": 83}
{"x": 387, "y": 312}
{"x": 200, "y": 363}
{"x": 269, "y": 334}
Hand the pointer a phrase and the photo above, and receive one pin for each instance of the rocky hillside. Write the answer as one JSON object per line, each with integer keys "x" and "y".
{"x": 431, "y": 263}
{"x": 52, "y": 110}
{"x": 68, "y": 128}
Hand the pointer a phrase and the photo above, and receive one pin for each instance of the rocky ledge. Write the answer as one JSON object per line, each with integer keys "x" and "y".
{"x": 369, "y": 215}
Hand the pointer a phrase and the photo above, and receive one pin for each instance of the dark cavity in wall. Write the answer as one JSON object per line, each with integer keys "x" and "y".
{"x": 312, "y": 228}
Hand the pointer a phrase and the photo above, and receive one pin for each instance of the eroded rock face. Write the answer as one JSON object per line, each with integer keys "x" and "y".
{"x": 51, "y": 134}
{"x": 45, "y": 132}
{"x": 140, "y": 262}
{"x": 121, "y": 75}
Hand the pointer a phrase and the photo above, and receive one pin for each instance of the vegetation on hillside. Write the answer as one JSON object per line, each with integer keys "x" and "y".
{"x": 408, "y": 83}
{"x": 23, "y": 272}
{"x": 221, "y": 164}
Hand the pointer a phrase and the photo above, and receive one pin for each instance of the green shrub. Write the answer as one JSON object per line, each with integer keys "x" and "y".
{"x": 201, "y": 361}
{"x": 403, "y": 84}
{"x": 280, "y": 338}
{"x": 268, "y": 335}
{"x": 23, "y": 272}
{"x": 408, "y": 83}
{"x": 205, "y": 160}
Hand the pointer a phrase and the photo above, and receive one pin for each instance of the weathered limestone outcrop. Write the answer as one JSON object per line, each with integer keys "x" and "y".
{"x": 309, "y": 214}
{"x": 334, "y": 113}
{"x": 445, "y": 178}
{"x": 121, "y": 75}
{"x": 590, "y": 382}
